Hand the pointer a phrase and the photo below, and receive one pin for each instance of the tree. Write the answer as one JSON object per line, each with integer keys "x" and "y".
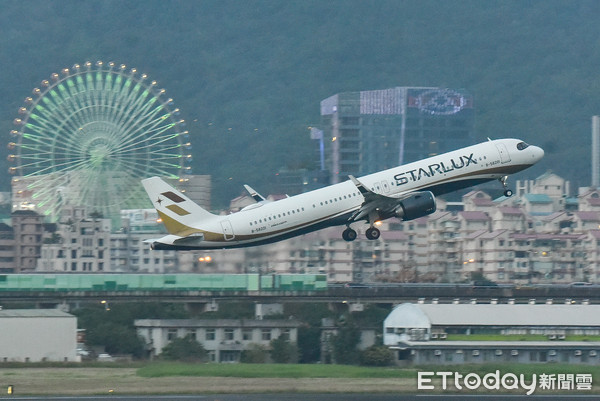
{"x": 345, "y": 343}
{"x": 114, "y": 328}
{"x": 255, "y": 353}
{"x": 282, "y": 351}
{"x": 184, "y": 349}
{"x": 376, "y": 355}
{"x": 116, "y": 339}
{"x": 309, "y": 344}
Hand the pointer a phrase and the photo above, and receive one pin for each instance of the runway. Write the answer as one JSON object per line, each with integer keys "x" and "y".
{"x": 310, "y": 397}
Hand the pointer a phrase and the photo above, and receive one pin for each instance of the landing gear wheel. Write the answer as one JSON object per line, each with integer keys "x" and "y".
{"x": 349, "y": 234}
{"x": 373, "y": 233}
{"x": 507, "y": 191}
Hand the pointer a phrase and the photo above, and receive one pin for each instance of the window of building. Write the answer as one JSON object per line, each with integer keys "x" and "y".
{"x": 247, "y": 334}
{"x": 229, "y": 334}
{"x": 171, "y": 334}
{"x": 210, "y": 335}
{"x": 266, "y": 334}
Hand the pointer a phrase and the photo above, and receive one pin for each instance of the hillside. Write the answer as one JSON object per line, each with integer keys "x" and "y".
{"x": 249, "y": 76}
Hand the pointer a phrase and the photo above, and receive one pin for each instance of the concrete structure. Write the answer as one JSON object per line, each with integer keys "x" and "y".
{"x": 7, "y": 249}
{"x": 37, "y": 336}
{"x": 80, "y": 244}
{"x": 196, "y": 187}
{"x": 421, "y": 333}
{"x": 28, "y": 231}
{"x": 375, "y": 130}
{"x": 129, "y": 252}
{"x": 224, "y": 339}
{"x": 458, "y": 352}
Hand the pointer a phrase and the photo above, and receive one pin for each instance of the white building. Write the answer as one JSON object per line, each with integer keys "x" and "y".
{"x": 224, "y": 339}
{"x": 80, "y": 244}
{"x": 440, "y": 333}
{"x": 38, "y": 335}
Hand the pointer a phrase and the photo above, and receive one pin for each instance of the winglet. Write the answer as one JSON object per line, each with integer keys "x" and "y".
{"x": 363, "y": 190}
{"x": 255, "y": 195}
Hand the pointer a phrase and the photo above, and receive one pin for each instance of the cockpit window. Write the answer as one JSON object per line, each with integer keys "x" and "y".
{"x": 522, "y": 146}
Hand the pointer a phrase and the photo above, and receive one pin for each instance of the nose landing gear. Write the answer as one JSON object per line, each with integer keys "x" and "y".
{"x": 507, "y": 191}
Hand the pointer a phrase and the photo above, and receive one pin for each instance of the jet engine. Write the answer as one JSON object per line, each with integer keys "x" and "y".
{"x": 416, "y": 205}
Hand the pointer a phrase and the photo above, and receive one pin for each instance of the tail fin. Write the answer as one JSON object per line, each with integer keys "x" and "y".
{"x": 176, "y": 210}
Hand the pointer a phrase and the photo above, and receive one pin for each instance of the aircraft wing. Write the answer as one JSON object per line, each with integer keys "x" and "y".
{"x": 377, "y": 206}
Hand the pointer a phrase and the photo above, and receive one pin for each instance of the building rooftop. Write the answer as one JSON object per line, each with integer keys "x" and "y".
{"x": 33, "y": 313}
{"x": 249, "y": 323}
{"x": 474, "y": 216}
{"x": 538, "y": 198}
{"x": 500, "y": 344}
{"x": 495, "y": 315}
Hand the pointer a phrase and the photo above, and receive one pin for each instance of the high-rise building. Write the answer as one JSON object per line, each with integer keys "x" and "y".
{"x": 196, "y": 187}
{"x": 369, "y": 131}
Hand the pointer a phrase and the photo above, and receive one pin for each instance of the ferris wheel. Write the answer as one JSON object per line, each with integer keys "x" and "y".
{"x": 89, "y": 135}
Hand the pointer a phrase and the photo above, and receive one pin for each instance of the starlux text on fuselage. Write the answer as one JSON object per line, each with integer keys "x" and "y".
{"x": 434, "y": 169}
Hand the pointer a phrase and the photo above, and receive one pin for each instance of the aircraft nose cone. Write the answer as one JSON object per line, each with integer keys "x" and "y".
{"x": 538, "y": 153}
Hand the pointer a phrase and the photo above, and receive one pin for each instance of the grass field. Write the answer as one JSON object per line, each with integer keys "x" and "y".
{"x": 273, "y": 371}
{"x": 179, "y": 378}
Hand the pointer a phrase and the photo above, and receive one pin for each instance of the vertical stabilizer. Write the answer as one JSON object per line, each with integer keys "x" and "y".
{"x": 179, "y": 214}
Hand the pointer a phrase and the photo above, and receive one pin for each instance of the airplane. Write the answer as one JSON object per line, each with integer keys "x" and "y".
{"x": 406, "y": 192}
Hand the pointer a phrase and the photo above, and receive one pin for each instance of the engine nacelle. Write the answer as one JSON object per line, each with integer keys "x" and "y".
{"x": 416, "y": 205}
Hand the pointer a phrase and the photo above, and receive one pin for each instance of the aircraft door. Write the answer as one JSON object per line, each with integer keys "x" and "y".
{"x": 227, "y": 230}
{"x": 385, "y": 186}
{"x": 504, "y": 156}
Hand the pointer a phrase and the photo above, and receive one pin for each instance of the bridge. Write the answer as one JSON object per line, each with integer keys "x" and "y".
{"x": 48, "y": 290}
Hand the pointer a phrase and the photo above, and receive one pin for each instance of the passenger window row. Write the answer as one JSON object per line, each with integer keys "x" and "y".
{"x": 277, "y": 216}
{"x": 292, "y": 212}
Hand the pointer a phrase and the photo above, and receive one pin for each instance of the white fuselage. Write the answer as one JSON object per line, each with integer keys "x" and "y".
{"x": 266, "y": 222}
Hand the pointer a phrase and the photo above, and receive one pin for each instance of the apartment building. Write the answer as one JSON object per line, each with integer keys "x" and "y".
{"x": 541, "y": 236}
{"x": 80, "y": 244}
{"x": 28, "y": 231}
{"x": 534, "y": 237}
{"x": 128, "y": 251}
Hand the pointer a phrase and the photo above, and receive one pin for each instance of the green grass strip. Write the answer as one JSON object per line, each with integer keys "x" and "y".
{"x": 272, "y": 370}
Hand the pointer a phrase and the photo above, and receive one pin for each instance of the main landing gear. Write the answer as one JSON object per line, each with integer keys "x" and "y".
{"x": 372, "y": 233}
{"x": 507, "y": 191}
{"x": 349, "y": 234}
